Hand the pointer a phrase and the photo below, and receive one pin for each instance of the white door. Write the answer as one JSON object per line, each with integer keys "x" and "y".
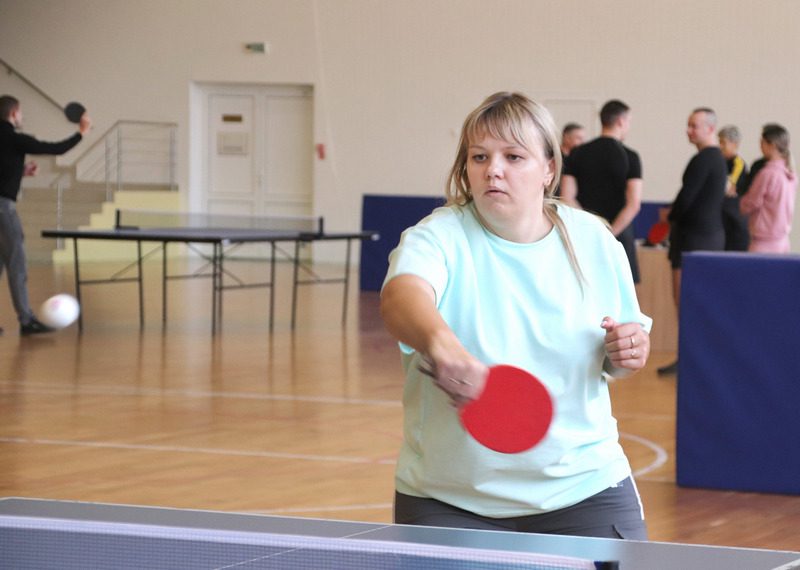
{"x": 258, "y": 150}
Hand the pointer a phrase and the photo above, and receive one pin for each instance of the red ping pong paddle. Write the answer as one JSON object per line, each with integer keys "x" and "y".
{"x": 658, "y": 233}
{"x": 512, "y": 414}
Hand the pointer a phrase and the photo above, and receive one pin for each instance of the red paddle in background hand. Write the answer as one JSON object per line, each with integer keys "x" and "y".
{"x": 658, "y": 233}
{"x": 512, "y": 414}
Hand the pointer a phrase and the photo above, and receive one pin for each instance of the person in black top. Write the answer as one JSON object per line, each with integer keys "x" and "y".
{"x": 572, "y": 135}
{"x": 13, "y": 148}
{"x": 757, "y": 165}
{"x": 604, "y": 176}
{"x": 696, "y": 214}
{"x": 737, "y": 236}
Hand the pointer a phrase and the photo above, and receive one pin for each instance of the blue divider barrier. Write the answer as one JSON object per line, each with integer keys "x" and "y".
{"x": 390, "y": 215}
{"x": 738, "y": 418}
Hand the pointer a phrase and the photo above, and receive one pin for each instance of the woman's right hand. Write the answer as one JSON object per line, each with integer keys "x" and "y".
{"x": 455, "y": 371}
{"x": 408, "y": 307}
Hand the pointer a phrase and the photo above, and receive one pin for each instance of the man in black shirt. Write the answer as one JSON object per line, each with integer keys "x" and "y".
{"x": 13, "y": 148}
{"x": 696, "y": 214}
{"x": 605, "y": 177}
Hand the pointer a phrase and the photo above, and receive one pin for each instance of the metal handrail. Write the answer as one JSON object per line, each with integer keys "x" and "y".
{"x": 103, "y": 160}
{"x": 111, "y": 159}
{"x": 113, "y": 153}
{"x": 31, "y": 84}
{"x": 119, "y": 123}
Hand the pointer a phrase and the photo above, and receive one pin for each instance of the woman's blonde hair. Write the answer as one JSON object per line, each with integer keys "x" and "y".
{"x": 512, "y": 117}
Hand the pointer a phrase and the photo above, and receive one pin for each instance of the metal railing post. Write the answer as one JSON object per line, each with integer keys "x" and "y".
{"x": 119, "y": 158}
{"x": 107, "y": 168}
{"x": 60, "y": 210}
{"x": 172, "y": 159}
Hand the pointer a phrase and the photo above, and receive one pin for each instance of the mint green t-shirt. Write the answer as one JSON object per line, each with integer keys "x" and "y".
{"x": 518, "y": 304}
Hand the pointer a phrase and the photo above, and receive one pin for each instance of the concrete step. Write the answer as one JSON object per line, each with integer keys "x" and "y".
{"x": 37, "y": 209}
{"x": 91, "y": 195}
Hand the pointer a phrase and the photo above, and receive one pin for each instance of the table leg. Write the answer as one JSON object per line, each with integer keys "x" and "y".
{"x": 272, "y": 288}
{"x": 346, "y": 282}
{"x": 141, "y": 283}
{"x": 77, "y": 283}
{"x": 164, "y": 284}
{"x": 215, "y": 271}
{"x": 294, "y": 280}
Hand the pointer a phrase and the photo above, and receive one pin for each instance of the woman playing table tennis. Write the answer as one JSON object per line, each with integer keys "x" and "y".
{"x": 505, "y": 274}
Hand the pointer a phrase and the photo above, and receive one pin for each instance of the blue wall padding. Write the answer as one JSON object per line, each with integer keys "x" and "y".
{"x": 738, "y": 419}
{"x": 388, "y": 215}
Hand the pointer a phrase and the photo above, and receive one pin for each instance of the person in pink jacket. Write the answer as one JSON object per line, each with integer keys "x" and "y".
{"x": 770, "y": 200}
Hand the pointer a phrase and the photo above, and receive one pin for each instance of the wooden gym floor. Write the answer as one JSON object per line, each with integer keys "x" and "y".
{"x": 303, "y": 423}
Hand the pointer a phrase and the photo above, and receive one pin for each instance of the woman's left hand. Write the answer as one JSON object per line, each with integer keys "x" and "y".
{"x": 627, "y": 345}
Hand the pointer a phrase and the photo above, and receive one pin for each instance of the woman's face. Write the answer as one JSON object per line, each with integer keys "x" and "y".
{"x": 507, "y": 180}
{"x": 769, "y": 150}
{"x": 729, "y": 149}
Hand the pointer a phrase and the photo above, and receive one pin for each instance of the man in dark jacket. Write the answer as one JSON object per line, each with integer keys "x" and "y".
{"x": 696, "y": 214}
{"x": 13, "y": 148}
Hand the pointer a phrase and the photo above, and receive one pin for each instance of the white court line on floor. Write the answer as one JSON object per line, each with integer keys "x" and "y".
{"x": 661, "y": 454}
{"x": 135, "y": 391}
{"x": 185, "y": 449}
{"x": 39, "y": 388}
{"x": 660, "y": 459}
{"x": 646, "y": 417}
{"x": 664, "y": 479}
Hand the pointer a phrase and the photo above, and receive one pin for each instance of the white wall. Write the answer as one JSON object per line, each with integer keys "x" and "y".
{"x": 393, "y": 80}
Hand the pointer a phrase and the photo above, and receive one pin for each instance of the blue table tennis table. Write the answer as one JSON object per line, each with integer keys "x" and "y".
{"x": 221, "y": 240}
{"x": 43, "y": 534}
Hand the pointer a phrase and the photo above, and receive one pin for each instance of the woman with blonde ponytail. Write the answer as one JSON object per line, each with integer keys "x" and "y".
{"x": 506, "y": 274}
{"x": 771, "y": 197}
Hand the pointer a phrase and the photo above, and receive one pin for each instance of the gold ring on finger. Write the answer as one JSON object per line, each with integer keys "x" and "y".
{"x": 460, "y": 381}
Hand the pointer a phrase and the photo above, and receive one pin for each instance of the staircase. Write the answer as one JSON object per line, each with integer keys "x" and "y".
{"x": 85, "y": 206}
{"x": 38, "y": 210}
{"x": 129, "y": 156}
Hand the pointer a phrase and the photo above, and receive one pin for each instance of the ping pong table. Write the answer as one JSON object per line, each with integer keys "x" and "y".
{"x": 43, "y": 534}
{"x": 224, "y": 235}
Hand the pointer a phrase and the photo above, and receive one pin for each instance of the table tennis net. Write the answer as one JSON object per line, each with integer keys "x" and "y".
{"x": 34, "y": 542}
{"x": 143, "y": 219}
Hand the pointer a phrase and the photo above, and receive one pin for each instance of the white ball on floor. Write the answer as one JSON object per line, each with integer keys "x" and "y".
{"x": 59, "y": 311}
